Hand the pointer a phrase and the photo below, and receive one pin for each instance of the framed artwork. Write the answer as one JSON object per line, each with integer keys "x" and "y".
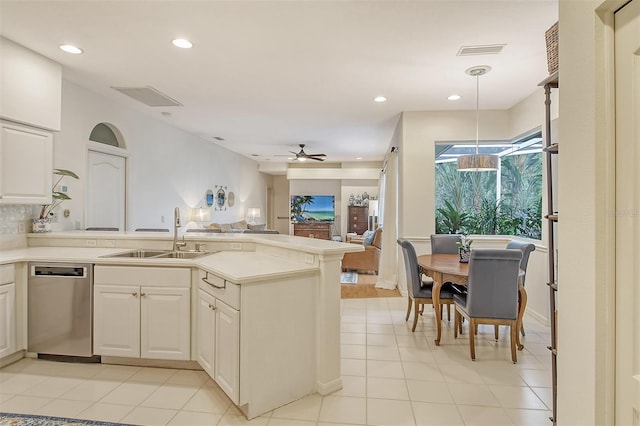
{"x": 220, "y": 197}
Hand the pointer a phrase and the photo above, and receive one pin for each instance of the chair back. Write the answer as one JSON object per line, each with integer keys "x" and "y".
{"x": 411, "y": 266}
{"x": 377, "y": 239}
{"x": 526, "y": 249}
{"x": 493, "y": 283}
{"x": 444, "y": 243}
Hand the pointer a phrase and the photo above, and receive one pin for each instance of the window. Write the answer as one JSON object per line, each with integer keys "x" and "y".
{"x": 506, "y": 202}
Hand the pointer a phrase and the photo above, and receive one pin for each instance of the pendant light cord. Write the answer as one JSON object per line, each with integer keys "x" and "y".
{"x": 477, "y": 112}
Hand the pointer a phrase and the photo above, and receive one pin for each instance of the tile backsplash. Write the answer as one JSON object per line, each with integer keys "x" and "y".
{"x": 12, "y": 215}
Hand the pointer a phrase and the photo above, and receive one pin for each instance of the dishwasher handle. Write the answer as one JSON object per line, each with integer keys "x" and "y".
{"x": 50, "y": 271}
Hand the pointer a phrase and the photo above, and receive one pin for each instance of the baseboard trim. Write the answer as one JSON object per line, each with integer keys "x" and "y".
{"x": 535, "y": 315}
{"x": 143, "y": 362}
{"x": 332, "y": 386}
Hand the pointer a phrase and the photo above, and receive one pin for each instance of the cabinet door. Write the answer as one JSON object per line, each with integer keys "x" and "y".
{"x": 227, "y": 350}
{"x": 116, "y": 320}
{"x": 7, "y": 319}
{"x": 205, "y": 331}
{"x": 25, "y": 165}
{"x": 165, "y": 323}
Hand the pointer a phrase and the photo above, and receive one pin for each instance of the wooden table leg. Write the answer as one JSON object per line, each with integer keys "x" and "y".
{"x": 435, "y": 297}
{"x": 521, "y": 308}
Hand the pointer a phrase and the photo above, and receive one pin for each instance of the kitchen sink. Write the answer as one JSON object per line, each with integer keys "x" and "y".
{"x": 139, "y": 253}
{"x": 159, "y": 254}
{"x": 181, "y": 255}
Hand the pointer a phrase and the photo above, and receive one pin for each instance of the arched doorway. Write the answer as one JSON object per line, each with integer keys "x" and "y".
{"x": 106, "y": 182}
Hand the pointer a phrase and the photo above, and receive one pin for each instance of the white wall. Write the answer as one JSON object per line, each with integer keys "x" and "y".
{"x": 586, "y": 236}
{"x": 168, "y": 167}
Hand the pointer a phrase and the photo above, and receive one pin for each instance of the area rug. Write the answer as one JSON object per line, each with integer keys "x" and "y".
{"x": 365, "y": 288}
{"x": 350, "y": 277}
{"x": 10, "y": 419}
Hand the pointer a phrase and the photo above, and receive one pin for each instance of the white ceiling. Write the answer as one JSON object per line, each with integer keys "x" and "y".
{"x": 268, "y": 75}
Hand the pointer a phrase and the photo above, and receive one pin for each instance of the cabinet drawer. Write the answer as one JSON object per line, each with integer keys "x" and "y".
{"x": 141, "y": 275}
{"x": 219, "y": 288}
{"x": 7, "y": 274}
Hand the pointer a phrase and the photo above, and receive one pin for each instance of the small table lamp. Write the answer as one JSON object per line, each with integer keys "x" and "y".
{"x": 200, "y": 215}
{"x": 253, "y": 213}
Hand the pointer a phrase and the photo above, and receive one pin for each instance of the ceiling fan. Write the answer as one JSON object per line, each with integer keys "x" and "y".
{"x": 303, "y": 156}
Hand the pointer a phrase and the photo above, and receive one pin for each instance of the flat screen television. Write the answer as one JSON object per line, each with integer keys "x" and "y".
{"x": 313, "y": 208}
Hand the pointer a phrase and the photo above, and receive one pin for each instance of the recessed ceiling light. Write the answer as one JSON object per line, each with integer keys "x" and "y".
{"x": 182, "y": 43}
{"x": 69, "y": 48}
{"x": 454, "y": 97}
{"x": 380, "y": 99}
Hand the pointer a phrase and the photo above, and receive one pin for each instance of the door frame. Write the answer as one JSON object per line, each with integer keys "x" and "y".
{"x": 605, "y": 323}
{"x": 117, "y": 152}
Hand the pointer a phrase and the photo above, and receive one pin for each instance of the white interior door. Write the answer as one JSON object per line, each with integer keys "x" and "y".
{"x": 106, "y": 191}
{"x": 627, "y": 64}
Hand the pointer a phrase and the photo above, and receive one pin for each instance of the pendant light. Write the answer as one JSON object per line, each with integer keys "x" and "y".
{"x": 478, "y": 162}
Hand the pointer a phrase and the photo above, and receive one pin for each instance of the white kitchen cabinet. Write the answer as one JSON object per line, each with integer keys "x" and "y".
{"x": 7, "y": 311}
{"x": 218, "y": 343}
{"x": 226, "y": 349}
{"x": 165, "y": 323}
{"x": 257, "y": 339}
{"x": 26, "y": 164}
{"x": 116, "y": 320}
{"x": 30, "y": 87}
{"x": 142, "y": 312}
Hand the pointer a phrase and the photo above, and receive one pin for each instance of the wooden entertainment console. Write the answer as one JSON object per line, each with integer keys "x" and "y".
{"x": 321, "y": 230}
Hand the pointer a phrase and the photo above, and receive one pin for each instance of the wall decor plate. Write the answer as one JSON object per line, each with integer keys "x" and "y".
{"x": 231, "y": 199}
{"x": 209, "y": 197}
{"x": 220, "y": 197}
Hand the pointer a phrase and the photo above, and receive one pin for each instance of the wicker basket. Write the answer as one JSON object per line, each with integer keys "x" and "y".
{"x": 551, "y": 36}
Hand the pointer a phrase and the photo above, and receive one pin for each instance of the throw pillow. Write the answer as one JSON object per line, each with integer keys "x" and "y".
{"x": 225, "y": 227}
{"x": 214, "y": 226}
{"x": 241, "y": 224}
{"x": 368, "y": 237}
{"x": 257, "y": 227}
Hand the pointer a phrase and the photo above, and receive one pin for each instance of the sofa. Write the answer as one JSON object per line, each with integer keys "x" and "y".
{"x": 240, "y": 226}
{"x": 366, "y": 260}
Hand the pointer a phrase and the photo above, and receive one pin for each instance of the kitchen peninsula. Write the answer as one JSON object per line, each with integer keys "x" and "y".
{"x": 262, "y": 311}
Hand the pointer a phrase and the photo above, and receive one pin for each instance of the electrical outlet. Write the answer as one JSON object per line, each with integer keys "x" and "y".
{"x": 21, "y": 228}
{"x": 92, "y": 243}
{"x": 109, "y": 243}
{"x": 309, "y": 258}
{"x": 161, "y": 219}
{"x": 236, "y": 246}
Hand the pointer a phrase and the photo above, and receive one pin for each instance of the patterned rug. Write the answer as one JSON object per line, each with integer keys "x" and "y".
{"x": 10, "y": 419}
{"x": 350, "y": 277}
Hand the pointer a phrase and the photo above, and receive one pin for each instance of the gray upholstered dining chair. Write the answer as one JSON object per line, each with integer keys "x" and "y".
{"x": 526, "y": 249}
{"x": 446, "y": 244}
{"x": 492, "y": 295}
{"x": 419, "y": 292}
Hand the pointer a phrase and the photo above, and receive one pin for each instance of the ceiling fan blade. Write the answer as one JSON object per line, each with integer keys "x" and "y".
{"x": 316, "y": 155}
{"x": 315, "y": 158}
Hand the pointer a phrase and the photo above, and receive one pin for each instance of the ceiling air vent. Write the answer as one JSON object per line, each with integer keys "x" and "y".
{"x": 489, "y": 49}
{"x": 148, "y": 96}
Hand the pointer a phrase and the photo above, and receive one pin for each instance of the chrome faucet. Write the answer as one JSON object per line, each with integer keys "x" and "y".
{"x": 177, "y": 224}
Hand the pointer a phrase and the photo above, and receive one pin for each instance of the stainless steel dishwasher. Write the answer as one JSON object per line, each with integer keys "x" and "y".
{"x": 60, "y": 311}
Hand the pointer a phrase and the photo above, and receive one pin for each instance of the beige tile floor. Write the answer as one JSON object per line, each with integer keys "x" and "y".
{"x": 391, "y": 377}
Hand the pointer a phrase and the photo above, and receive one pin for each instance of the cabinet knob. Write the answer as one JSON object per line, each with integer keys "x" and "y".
{"x": 213, "y": 308}
{"x": 143, "y": 294}
{"x": 135, "y": 293}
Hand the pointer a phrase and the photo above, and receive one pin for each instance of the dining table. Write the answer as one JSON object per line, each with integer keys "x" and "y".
{"x": 443, "y": 268}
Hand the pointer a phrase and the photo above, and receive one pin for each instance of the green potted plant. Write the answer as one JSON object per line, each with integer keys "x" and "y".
{"x": 464, "y": 247}
{"x": 43, "y": 223}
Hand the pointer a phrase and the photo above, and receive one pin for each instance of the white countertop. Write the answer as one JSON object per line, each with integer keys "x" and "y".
{"x": 311, "y": 245}
{"x": 236, "y": 266}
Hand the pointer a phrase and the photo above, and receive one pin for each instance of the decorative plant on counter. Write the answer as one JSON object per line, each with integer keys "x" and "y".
{"x": 56, "y": 196}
